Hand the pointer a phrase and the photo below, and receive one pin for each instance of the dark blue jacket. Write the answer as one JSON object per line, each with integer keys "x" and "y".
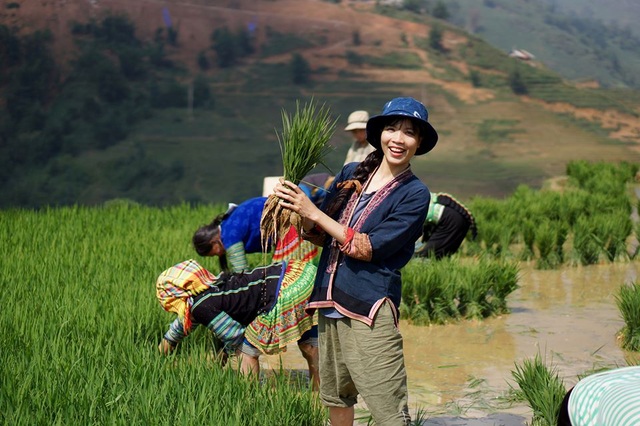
{"x": 360, "y": 287}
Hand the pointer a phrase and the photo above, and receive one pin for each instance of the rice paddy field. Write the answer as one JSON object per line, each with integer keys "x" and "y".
{"x": 81, "y": 324}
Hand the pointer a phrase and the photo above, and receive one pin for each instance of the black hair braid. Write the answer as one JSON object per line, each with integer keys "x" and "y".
{"x": 361, "y": 174}
{"x": 205, "y": 234}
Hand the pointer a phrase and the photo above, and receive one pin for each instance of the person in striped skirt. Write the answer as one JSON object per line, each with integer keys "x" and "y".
{"x": 609, "y": 398}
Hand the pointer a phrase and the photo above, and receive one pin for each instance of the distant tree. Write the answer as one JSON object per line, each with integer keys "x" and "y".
{"x": 172, "y": 36}
{"x": 201, "y": 92}
{"x": 132, "y": 63}
{"x": 244, "y": 42}
{"x": 516, "y": 82}
{"x": 300, "y": 69}
{"x": 203, "y": 61}
{"x": 9, "y": 48}
{"x": 30, "y": 82}
{"x": 230, "y": 47}
{"x": 117, "y": 29}
{"x": 415, "y": 6}
{"x": 353, "y": 58}
{"x": 355, "y": 38}
{"x": 474, "y": 77}
{"x": 441, "y": 11}
{"x": 435, "y": 38}
{"x": 224, "y": 46}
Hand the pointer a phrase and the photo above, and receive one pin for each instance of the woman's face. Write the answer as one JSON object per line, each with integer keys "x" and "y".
{"x": 399, "y": 141}
{"x": 217, "y": 249}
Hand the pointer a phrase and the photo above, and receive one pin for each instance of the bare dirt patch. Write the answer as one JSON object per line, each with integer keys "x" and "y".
{"x": 623, "y": 127}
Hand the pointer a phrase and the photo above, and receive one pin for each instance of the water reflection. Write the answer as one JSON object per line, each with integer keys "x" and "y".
{"x": 569, "y": 316}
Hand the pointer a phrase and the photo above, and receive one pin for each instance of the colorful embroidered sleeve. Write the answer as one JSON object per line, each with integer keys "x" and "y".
{"x": 237, "y": 257}
{"x": 230, "y": 331}
{"x": 357, "y": 246}
{"x": 176, "y": 333}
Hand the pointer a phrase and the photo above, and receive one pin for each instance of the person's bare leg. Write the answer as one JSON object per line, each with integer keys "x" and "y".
{"x": 310, "y": 354}
{"x": 249, "y": 366}
{"x": 341, "y": 416}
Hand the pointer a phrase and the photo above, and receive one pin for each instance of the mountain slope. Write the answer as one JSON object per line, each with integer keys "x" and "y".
{"x": 595, "y": 40}
{"x": 491, "y": 139}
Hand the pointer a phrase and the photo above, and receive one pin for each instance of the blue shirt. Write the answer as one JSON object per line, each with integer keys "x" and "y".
{"x": 393, "y": 227}
{"x": 243, "y": 225}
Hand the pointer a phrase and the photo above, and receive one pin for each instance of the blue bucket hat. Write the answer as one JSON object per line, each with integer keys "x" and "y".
{"x": 403, "y": 107}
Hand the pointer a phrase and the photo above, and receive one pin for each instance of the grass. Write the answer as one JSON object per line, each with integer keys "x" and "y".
{"x": 448, "y": 290}
{"x": 401, "y": 60}
{"x": 303, "y": 144}
{"x": 491, "y": 131}
{"x": 579, "y": 225}
{"x": 628, "y": 302}
{"x": 80, "y": 340}
{"x": 540, "y": 385}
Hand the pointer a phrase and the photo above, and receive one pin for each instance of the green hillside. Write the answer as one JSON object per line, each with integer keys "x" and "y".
{"x": 116, "y": 121}
{"x": 593, "y": 40}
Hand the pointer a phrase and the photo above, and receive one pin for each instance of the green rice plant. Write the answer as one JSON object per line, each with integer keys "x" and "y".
{"x": 472, "y": 293}
{"x": 529, "y": 238}
{"x": 304, "y": 142}
{"x": 613, "y": 230}
{"x": 503, "y": 277}
{"x": 445, "y": 290}
{"x": 489, "y": 233}
{"x": 576, "y": 203}
{"x": 628, "y": 302}
{"x": 562, "y": 231}
{"x": 540, "y": 385}
{"x": 586, "y": 247}
{"x": 601, "y": 177}
{"x": 636, "y": 232}
{"x": 546, "y": 243}
{"x": 426, "y": 293}
{"x": 508, "y": 235}
{"x": 79, "y": 344}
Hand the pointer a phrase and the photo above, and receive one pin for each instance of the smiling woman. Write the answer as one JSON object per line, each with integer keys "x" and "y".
{"x": 367, "y": 225}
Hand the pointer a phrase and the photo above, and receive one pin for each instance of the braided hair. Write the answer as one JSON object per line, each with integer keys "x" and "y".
{"x": 203, "y": 239}
{"x": 360, "y": 176}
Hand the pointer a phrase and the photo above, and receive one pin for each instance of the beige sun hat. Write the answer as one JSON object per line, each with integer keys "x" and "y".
{"x": 357, "y": 120}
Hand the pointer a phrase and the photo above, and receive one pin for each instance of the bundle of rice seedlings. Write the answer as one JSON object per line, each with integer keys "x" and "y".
{"x": 628, "y": 301}
{"x": 303, "y": 145}
{"x": 541, "y": 386}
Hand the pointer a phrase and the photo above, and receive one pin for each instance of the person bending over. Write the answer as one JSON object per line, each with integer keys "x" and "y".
{"x": 447, "y": 224}
{"x": 261, "y": 309}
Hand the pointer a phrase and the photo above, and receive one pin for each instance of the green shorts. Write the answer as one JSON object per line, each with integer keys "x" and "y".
{"x": 356, "y": 359}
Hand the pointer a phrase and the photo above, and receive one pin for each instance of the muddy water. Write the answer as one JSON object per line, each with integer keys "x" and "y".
{"x": 460, "y": 370}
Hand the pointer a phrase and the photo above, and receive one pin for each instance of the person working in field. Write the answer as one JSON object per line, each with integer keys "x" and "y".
{"x": 234, "y": 234}
{"x": 360, "y": 148}
{"x": 367, "y": 226}
{"x": 609, "y": 398}
{"x": 447, "y": 224}
{"x": 315, "y": 186}
{"x": 263, "y": 308}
